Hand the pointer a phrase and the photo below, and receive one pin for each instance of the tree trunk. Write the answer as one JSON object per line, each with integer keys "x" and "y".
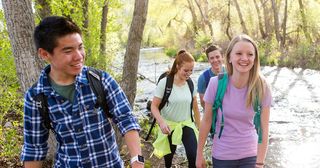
{"x": 85, "y": 11}
{"x": 284, "y": 26}
{"x": 276, "y": 20}
{"x": 284, "y": 32}
{"x": 20, "y": 25}
{"x": 195, "y": 22}
{"x": 44, "y": 9}
{"x": 103, "y": 37}
{"x": 204, "y": 16}
{"x": 131, "y": 57}
{"x": 266, "y": 13}
{"x": 243, "y": 24}
{"x": 228, "y": 21}
{"x": 263, "y": 34}
{"x": 85, "y": 25}
{"x": 304, "y": 22}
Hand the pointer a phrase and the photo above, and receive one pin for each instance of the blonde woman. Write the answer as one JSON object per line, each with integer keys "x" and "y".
{"x": 238, "y": 146}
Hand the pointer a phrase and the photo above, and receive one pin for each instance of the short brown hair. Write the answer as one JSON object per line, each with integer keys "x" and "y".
{"x": 211, "y": 48}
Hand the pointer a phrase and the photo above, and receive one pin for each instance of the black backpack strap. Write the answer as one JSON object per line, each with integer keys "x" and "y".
{"x": 164, "y": 100}
{"x": 164, "y": 74}
{"x": 207, "y": 76}
{"x": 94, "y": 77}
{"x": 167, "y": 91}
{"x": 191, "y": 88}
{"x": 42, "y": 105}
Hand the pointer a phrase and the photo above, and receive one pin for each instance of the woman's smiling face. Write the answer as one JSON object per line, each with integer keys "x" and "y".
{"x": 242, "y": 57}
{"x": 185, "y": 70}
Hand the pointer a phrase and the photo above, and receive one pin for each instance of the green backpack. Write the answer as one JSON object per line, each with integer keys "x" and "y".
{"x": 222, "y": 86}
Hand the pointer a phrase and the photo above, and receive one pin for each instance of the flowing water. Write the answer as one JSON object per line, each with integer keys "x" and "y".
{"x": 295, "y": 115}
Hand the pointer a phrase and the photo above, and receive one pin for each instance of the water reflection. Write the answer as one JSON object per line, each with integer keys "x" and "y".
{"x": 295, "y": 115}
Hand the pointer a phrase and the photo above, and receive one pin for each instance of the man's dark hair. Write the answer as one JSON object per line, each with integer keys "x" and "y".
{"x": 211, "y": 48}
{"x": 50, "y": 29}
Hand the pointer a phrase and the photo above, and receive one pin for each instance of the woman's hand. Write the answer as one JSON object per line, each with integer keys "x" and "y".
{"x": 200, "y": 162}
{"x": 259, "y": 165}
{"x": 164, "y": 128}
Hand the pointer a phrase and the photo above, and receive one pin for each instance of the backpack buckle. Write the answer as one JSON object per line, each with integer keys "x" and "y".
{"x": 38, "y": 104}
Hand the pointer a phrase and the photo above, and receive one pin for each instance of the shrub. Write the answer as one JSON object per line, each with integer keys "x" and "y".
{"x": 171, "y": 52}
{"x": 200, "y": 57}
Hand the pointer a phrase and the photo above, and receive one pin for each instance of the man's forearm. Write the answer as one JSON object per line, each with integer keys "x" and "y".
{"x": 132, "y": 140}
{"x": 32, "y": 164}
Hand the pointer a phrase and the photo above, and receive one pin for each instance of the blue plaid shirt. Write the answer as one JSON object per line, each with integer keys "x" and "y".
{"x": 84, "y": 134}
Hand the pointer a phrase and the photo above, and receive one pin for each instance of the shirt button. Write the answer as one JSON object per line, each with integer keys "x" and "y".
{"x": 79, "y": 130}
{"x": 83, "y": 146}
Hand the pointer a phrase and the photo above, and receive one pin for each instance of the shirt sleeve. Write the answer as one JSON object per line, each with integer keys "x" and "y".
{"x": 35, "y": 144}
{"x": 159, "y": 91}
{"x": 119, "y": 106}
{"x": 201, "y": 84}
{"x": 194, "y": 93}
{"x": 211, "y": 90}
{"x": 267, "y": 99}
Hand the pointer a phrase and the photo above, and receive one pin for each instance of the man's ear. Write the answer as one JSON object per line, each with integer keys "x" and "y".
{"x": 44, "y": 54}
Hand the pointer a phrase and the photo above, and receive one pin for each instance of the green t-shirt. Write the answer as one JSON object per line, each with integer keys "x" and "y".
{"x": 66, "y": 91}
{"x": 178, "y": 107}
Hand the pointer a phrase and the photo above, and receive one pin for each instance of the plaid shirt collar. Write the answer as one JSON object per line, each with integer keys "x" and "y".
{"x": 43, "y": 85}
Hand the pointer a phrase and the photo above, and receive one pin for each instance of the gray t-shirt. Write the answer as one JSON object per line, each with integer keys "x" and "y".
{"x": 66, "y": 91}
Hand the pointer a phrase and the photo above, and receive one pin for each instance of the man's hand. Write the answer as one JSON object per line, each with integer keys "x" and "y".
{"x": 137, "y": 165}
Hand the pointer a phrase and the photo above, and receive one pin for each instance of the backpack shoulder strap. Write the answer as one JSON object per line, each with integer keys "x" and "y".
{"x": 191, "y": 85}
{"x": 42, "y": 104}
{"x": 207, "y": 76}
{"x": 164, "y": 74}
{"x": 221, "y": 89}
{"x": 94, "y": 77}
{"x": 191, "y": 88}
{"x": 164, "y": 100}
{"x": 257, "y": 118}
{"x": 167, "y": 91}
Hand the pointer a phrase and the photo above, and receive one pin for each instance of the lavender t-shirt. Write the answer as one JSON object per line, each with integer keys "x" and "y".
{"x": 239, "y": 138}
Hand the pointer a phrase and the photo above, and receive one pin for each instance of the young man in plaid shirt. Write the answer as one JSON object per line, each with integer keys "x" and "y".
{"x": 84, "y": 134}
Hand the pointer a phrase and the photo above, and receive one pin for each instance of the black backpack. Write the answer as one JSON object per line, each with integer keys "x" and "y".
{"x": 167, "y": 92}
{"x": 94, "y": 77}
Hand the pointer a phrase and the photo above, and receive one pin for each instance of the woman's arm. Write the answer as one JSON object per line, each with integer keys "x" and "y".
{"x": 262, "y": 147}
{"x": 156, "y": 114}
{"x": 205, "y": 126}
{"x": 196, "y": 111}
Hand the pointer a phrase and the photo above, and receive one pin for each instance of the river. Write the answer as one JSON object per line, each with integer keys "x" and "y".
{"x": 294, "y": 139}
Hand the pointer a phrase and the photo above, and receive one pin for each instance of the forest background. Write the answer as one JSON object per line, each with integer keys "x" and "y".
{"x": 287, "y": 33}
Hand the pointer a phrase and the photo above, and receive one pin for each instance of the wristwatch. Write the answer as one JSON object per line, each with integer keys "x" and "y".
{"x": 137, "y": 158}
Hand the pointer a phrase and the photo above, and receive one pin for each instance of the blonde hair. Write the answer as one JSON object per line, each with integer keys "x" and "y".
{"x": 256, "y": 82}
